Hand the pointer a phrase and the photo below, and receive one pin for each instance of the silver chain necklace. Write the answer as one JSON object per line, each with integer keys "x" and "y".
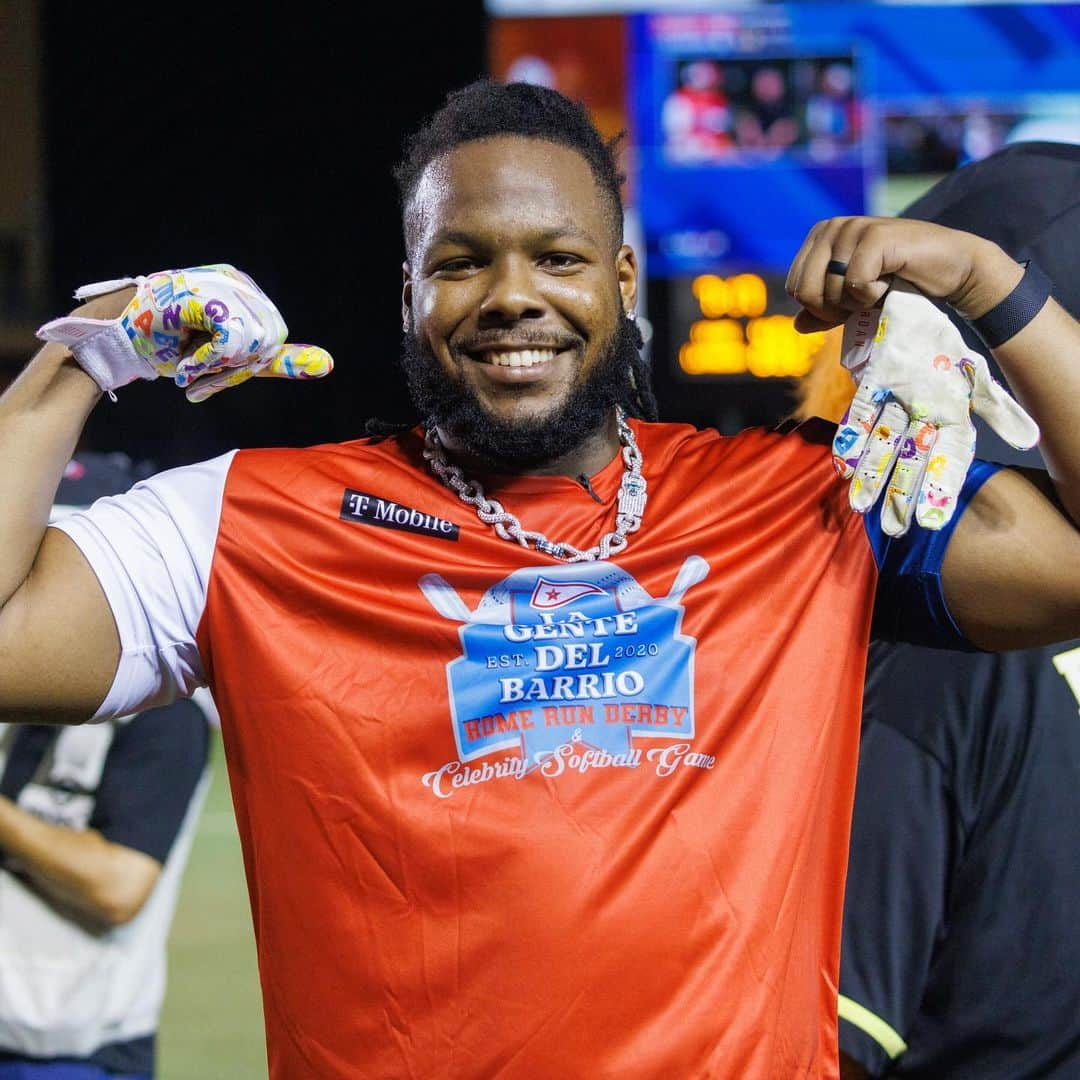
{"x": 629, "y": 511}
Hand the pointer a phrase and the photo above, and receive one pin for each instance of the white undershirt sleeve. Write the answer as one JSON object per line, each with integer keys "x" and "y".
{"x": 151, "y": 550}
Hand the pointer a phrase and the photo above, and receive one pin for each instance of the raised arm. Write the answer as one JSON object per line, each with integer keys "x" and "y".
{"x": 58, "y": 643}
{"x": 207, "y": 328}
{"x": 1012, "y": 570}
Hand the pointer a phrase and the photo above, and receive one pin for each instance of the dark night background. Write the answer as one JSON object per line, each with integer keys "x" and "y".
{"x": 267, "y": 143}
{"x": 176, "y": 139}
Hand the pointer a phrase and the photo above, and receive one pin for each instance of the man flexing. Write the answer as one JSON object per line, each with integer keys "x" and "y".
{"x": 452, "y": 872}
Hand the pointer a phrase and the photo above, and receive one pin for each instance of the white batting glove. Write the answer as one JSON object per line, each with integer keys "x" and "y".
{"x": 908, "y": 430}
{"x": 152, "y": 336}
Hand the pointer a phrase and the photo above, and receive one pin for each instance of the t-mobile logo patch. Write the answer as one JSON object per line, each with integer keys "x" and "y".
{"x": 368, "y": 509}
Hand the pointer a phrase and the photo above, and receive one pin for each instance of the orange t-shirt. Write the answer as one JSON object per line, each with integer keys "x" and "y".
{"x": 503, "y": 815}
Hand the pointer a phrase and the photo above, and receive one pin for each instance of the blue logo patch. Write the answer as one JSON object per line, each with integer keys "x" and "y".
{"x": 582, "y": 652}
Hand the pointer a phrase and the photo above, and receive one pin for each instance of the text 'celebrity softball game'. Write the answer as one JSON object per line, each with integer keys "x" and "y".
{"x": 564, "y": 666}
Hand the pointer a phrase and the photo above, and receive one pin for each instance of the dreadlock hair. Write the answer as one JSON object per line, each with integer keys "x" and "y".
{"x": 642, "y": 401}
{"x": 488, "y": 109}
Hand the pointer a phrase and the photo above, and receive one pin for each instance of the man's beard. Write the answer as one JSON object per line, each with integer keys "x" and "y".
{"x": 452, "y": 404}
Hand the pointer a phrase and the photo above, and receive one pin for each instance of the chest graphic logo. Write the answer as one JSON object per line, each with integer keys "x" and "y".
{"x": 578, "y": 656}
{"x": 550, "y": 594}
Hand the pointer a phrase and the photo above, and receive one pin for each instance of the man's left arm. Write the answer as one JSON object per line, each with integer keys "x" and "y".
{"x": 1011, "y": 573}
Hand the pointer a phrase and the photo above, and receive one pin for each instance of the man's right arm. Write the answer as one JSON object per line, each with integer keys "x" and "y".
{"x": 59, "y": 646}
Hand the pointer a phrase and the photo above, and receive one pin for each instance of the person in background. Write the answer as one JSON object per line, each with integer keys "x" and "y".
{"x": 960, "y": 955}
{"x": 696, "y": 115}
{"x": 831, "y": 113}
{"x": 767, "y": 122}
{"x": 96, "y": 822}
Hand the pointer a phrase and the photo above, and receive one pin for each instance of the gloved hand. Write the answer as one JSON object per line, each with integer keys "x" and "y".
{"x": 909, "y": 427}
{"x": 242, "y": 333}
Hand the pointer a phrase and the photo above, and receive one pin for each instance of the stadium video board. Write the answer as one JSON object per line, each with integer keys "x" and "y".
{"x": 747, "y": 123}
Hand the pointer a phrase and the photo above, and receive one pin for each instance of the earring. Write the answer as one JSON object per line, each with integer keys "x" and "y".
{"x": 631, "y": 315}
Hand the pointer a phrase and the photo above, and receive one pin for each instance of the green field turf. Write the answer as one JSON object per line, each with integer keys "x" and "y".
{"x": 211, "y": 1025}
{"x": 892, "y": 194}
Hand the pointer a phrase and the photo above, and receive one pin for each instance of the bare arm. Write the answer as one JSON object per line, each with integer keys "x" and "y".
{"x": 1012, "y": 570}
{"x": 58, "y": 642}
{"x": 1042, "y": 365}
{"x": 1014, "y": 544}
{"x": 107, "y": 882}
{"x": 206, "y": 328}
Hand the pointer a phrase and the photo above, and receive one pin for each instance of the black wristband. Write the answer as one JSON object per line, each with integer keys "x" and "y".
{"x": 1017, "y": 309}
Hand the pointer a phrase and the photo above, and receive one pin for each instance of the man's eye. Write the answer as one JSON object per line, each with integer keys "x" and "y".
{"x": 561, "y": 260}
{"x": 456, "y": 266}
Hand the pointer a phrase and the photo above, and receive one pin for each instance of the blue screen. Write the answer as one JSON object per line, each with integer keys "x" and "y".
{"x": 751, "y": 125}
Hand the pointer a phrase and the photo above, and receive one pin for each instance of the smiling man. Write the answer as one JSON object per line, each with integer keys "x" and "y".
{"x": 541, "y": 717}
{"x": 513, "y": 374}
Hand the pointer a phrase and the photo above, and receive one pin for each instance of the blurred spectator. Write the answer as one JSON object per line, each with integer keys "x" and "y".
{"x": 959, "y": 953}
{"x": 96, "y": 822}
{"x": 696, "y": 116}
{"x": 735, "y": 110}
{"x": 768, "y": 122}
{"x": 830, "y": 116}
{"x": 981, "y": 138}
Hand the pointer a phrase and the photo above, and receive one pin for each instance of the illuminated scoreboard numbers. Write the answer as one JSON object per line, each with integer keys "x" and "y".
{"x": 716, "y": 347}
{"x": 776, "y": 348}
{"x": 738, "y": 297}
{"x": 737, "y": 336}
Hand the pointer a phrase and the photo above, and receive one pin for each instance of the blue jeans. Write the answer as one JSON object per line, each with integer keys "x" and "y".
{"x": 61, "y": 1070}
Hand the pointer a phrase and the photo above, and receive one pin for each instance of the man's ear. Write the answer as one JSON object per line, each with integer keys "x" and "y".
{"x": 626, "y": 270}
{"x": 406, "y": 293}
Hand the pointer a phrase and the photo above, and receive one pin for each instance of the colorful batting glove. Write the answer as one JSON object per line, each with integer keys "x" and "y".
{"x": 244, "y": 333}
{"x": 908, "y": 430}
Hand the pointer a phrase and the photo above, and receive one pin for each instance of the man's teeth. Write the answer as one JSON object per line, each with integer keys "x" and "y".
{"x": 522, "y": 358}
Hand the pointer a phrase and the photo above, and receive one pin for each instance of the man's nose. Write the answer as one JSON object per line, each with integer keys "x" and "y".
{"x": 512, "y": 293}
